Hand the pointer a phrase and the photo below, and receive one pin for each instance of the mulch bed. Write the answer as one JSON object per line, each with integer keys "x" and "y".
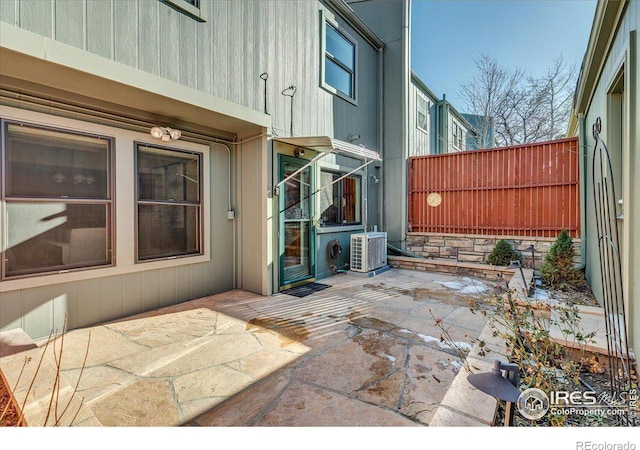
{"x": 12, "y": 416}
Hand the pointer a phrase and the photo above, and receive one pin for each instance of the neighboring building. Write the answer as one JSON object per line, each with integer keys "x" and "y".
{"x": 423, "y": 124}
{"x": 455, "y": 128}
{"x": 608, "y": 90}
{"x": 435, "y": 126}
{"x": 108, "y": 211}
{"x": 484, "y": 133}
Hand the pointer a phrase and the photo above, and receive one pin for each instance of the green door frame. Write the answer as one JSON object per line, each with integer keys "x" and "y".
{"x": 282, "y": 284}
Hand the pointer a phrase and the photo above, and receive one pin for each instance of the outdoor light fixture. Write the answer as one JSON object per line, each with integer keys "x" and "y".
{"x": 531, "y": 249}
{"x": 498, "y": 386}
{"x": 165, "y": 133}
{"x": 517, "y": 264}
{"x": 298, "y": 152}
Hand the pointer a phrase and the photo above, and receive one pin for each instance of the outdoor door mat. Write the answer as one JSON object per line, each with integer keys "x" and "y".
{"x": 305, "y": 289}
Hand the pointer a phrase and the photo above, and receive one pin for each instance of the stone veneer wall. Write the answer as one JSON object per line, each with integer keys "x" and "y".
{"x": 476, "y": 248}
{"x": 486, "y": 271}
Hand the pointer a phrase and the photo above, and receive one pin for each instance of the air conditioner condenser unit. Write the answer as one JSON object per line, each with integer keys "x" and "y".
{"x": 368, "y": 251}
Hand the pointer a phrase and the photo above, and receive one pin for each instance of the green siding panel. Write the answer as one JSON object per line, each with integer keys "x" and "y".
{"x": 111, "y": 304}
{"x": 125, "y": 17}
{"x": 36, "y": 16}
{"x": 183, "y": 283}
{"x": 150, "y": 290}
{"x": 169, "y": 47}
{"x": 187, "y": 53}
{"x": 8, "y": 9}
{"x": 132, "y": 294}
{"x": 148, "y": 35}
{"x": 10, "y": 310}
{"x": 100, "y": 27}
{"x": 167, "y": 285}
{"x": 70, "y": 22}
{"x": 88, "y": 298}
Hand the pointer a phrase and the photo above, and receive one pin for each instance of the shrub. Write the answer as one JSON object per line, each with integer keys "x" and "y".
{"x": 543, "y": 363}
{"x": 502, "y": 254}
{"x": 558, "y": 271}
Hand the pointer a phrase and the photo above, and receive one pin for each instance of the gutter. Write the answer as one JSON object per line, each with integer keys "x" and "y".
{"x": 582, "y": 139}
{"x": 349, "y": 15}
{"x": 381, "y": 105}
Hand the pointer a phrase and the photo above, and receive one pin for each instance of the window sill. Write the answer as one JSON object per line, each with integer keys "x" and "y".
{"x": 339, "y": 229}
{"x": 97, "y": 273}
{"x": 186, "y": 8}
{"x": 331, "y": 90}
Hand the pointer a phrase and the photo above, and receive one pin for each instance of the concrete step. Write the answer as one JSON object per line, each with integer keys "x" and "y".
{"x": 15, "y": 341}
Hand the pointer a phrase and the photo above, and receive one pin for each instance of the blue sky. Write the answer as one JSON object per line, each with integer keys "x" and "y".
{"x": 448, "y": 34}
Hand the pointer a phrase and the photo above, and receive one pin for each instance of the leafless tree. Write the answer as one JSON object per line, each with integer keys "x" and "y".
{"x": 555, "y": 90}
{"x": 523, "y": 109}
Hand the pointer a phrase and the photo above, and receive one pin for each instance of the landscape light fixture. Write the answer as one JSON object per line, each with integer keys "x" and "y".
{"x": 517, "y": 264}
{"x": 165, "y": 133}
{"x": 496, "y": 385}
{"x": 531, "y": 249}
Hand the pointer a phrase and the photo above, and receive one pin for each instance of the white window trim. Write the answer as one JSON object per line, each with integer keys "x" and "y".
{"x": 327, "y": 17}
{"x": 419, "y": 96}
{"x": 455, "y": 137}
{"x": 341, "y": 170}
{"x": 124, "y": 203}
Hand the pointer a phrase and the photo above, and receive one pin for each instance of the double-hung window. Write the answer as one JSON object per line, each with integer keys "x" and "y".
{"x": 169, "y": 203}
{"x": 340, "y": 199}
{"x": 457, "y": 136}
{"x": 422, "y": 113}
{"x": 58, "y": 191}
{"x": 339, "y": 62}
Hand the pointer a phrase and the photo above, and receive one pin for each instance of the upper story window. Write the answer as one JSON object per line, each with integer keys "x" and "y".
{"x": 189, "y": 7}
{"x": 340, "y": 199}
{"x": 339, "y": 62}
{"x": 169, "y": 202}
{"x": 422, "y": 113}
{"x": 58, "y": 194}
{"x": 457, "y": 135}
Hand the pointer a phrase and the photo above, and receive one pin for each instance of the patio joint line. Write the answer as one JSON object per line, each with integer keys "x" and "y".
{"x": 351, "y": 397}
{"x": 406, "y": 376}
{"x": 269, "y": 406}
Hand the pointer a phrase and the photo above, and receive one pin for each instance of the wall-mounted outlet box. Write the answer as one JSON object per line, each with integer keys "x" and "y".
{"x": 231, "y": 215}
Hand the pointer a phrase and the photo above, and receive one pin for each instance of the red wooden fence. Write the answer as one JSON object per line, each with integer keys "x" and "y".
{"x": 527, "y": 190}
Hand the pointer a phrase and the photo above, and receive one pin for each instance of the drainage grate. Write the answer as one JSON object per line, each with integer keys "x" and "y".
{"x": 305, "y": 289}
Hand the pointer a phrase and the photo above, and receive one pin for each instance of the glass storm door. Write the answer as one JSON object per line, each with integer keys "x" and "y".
{"x": 295, "y": 235}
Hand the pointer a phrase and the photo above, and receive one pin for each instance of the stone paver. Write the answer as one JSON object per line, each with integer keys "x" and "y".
{"x": 304, "y": 405}
{"x": 365, "y": 352}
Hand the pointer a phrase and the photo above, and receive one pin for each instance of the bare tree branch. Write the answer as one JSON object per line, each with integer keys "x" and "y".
{"x": 523, "y": 109}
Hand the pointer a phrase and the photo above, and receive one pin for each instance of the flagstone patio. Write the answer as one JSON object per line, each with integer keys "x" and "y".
{"x": 364, "y": 352}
